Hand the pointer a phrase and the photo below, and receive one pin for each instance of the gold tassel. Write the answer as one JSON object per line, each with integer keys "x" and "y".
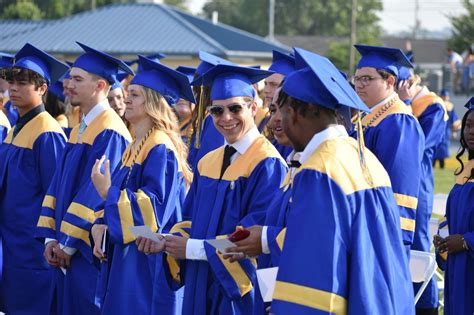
{"x": 200, "y": 119}
{"x": 360, "y": 149}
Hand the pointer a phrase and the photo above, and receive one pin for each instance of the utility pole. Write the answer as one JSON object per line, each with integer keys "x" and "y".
{"x": 416, "y": 27}
{"x": 271, "y": 21}
{"x": 353, "y": 38}
{"x": 93, "y": 5}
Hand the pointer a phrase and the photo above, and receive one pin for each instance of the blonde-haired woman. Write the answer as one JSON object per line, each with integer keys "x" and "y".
{"x": 147, "y": 189}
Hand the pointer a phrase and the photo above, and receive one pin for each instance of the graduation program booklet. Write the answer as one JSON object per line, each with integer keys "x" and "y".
{"x": 221, "y": 244}
{"x": 146, "y": 232}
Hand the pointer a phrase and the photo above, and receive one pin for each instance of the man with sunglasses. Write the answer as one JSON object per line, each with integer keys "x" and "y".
{"x": 391, "y": 132}
{"x": 232, "y": 187}
{"x": 29, "y": 156}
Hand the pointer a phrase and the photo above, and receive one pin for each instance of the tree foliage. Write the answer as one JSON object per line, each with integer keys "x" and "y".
{"x": 302, "y": 17}
{"x": 463, "y": 28}
{"x": 298, "y": 17}
{"x": 22, "y": 10}
{"x": 55, "y": 9}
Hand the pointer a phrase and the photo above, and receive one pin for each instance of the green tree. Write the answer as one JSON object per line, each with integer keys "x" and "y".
{"x": 463, "y": 28}
{"x": 297, "y": 17}
{"x": 22, "y": 10}
{"x": 180, "y": 4}
{"x": 302, "y": 17}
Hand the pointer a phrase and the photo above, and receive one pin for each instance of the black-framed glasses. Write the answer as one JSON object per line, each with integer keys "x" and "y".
{"x": 363, "y": 79}
{"x": 218, "y": 110}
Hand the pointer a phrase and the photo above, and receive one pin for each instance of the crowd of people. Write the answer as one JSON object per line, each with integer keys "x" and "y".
{"x": 327, "y": 178}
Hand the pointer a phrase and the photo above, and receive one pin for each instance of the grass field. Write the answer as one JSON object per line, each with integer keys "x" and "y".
{"x": 444, "y": 178}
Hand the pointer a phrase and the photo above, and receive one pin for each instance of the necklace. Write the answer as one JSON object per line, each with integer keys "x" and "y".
{"x": 381, "y": 112}
{"x": 137, "y": 151}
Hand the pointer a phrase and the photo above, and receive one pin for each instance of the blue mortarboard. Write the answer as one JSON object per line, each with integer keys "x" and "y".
{"x": 155, "y": 57}
{"x": 188, "y": 71}
{"x": 57, "y": 90}
{"x": 121, "y": 75}
{"x": 101, "y": 64}
{"x": 282, "y": 63}
{"x": 470, "y": 104}
{"x": 227, "y": 81}
{"x": 320, "y": 83}
{"x": 208, "y": 61}
{"x": 34, "y": 59}
{"x": 389, "y": 59}
{"x": 6, "y": 60}
{"x": 171, "y": 84}
{"x": 444, "y": 92}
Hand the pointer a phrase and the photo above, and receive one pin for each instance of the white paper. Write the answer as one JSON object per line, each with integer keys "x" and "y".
{"x": 146, "y": 232}
{"x": 266, "y": 282}
{"x": 221, "y": 244}
{"x": 444, "y": 233}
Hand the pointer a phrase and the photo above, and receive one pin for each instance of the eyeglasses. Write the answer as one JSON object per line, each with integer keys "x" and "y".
{"x": 364, "y": 79}
{"x": 218, "y": 110}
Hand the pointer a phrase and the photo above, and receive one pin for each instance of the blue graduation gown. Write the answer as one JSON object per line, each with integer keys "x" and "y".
{"x": 27, "y": 166}
{"x": 442, "y": 150}
{"x": 396, "y": 138}
{"x": 11, "y": 112}
{"x": 211, "y": 139}
{"x": 430, "y": 111}
{"x": 459, "y": 270}
{"x": 4, "y": 126}
{"x": 282, "y": 149}
{"x": 343, "y": 250}
{"x": 153, "y": 196}
{"x": 216, "y": 207}
{"x": 72, "y": 203}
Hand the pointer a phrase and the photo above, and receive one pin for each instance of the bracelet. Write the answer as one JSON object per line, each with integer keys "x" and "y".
{"x": 464, "y": 244}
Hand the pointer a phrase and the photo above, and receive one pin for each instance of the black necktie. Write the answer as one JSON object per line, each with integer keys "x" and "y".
{"x": 228, "y": 152}
{"x": 294, "y": 163}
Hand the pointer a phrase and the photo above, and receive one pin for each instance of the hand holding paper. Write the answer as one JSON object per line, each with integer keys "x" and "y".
{"x": 147, "y": 241}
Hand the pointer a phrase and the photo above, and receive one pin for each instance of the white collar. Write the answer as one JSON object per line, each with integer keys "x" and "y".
{"x": 333, "y": 131}
{"x": 383, "y": 102}
{"x": 424, "y": 91}
{"x": 96, "y": 111}
{"x": 246, "y": 141}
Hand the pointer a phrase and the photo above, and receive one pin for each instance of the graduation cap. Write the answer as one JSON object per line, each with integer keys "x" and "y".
{"x": 208, "y": 61}
{"x": 320, "y": 83}
{"x": 282, "y": 63}
{"x": 34, "y": 59}
{"x": 57, "y": 90}
{"x": 101, "y": 64}
{"x": 389, "y": 59}
{"x": 444, "y": 92}
{"x": 470, "y": 104}
{"x": 155, "y": 57}
{"x": 121, "y": 75}
{"x": 171, "y": 84}
{"x": 6, "y": 60}
{"x": 188, "y": 71}
{"x": 227, "y": 81}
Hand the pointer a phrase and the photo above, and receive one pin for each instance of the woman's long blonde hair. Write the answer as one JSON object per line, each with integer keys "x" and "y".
{"x": 165, "y": 119}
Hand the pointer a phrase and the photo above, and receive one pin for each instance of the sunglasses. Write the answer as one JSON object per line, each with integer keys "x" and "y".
{"x": 218, "y": 110}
